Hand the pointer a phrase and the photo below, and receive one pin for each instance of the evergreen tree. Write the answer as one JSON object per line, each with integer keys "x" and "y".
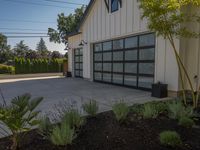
{"x": 42, "y": 48}
{"x": 21, "y": 49}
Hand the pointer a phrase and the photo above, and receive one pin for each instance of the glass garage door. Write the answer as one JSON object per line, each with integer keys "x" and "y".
{"x": 128, "y": 61}
{"x": 78, "y": 62}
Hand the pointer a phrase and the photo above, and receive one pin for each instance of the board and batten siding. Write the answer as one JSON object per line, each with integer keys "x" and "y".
{"x": 100, "y": 25}
{"x": 190, "y": 50}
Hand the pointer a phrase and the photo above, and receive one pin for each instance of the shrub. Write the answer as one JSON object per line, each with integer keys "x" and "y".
{"x": 91, "y": 108}
{"x": 150, "y": 111}
{"x": 4, "y": 69}
{"x": 62, "y": 135}
{"x": 74, "y": 119}
{"x": 137, "y": 108}
{"x": 186, "y": 122}
{"x": 20, "y": 116}
{"x": 161, "y": 107}
{"x": 121, "y": 111}
{"x": 177, "y": 110}
{"x": 45, "y": 127}
{"x": 170, "y": 138}
{"x": 28, "y": 66}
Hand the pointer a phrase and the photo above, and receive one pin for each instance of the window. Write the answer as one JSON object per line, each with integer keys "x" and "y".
{"x": 114, "y": 5}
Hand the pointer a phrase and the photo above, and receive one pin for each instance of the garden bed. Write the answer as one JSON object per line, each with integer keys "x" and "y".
{"x": 105, "y": 133}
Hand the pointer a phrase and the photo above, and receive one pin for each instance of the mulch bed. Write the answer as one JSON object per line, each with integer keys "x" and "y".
{"x": 104, "y": 133}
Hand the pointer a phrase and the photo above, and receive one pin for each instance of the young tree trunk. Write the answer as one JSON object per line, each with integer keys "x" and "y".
{"x": 184, "y": 70}
{"x": 180, "y": 70}
{"x": 14, "y": 142}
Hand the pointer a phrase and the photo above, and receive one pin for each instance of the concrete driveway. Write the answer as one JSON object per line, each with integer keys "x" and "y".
{"x": 62, "y": 91}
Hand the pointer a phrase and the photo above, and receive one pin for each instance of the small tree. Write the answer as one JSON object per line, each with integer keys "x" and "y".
{"x": 167, "y": 19}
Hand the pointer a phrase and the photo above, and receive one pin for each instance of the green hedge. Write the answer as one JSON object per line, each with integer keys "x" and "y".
{"x": 25, "y": 66}
{"x": 4, "y": 69}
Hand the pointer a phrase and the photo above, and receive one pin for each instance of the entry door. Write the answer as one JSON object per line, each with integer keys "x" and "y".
{"x": 78, "y": 62}
{"x": 127, "y": 61}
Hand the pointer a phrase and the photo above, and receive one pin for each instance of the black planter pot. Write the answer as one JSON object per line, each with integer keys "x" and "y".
{"x": 159, "y": 90}
{"x": 69, "y": 74}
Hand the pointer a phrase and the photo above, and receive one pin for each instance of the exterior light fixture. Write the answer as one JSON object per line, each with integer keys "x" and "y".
{"x": 67, "y": 48}
{"x": 82, "y": 43}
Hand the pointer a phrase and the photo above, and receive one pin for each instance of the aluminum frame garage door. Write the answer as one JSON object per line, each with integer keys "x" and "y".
{"x": 78, "y": 62}
{"x": 128, "y": 62}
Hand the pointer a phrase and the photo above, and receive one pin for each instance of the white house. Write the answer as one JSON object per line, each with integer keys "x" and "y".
{"x": 117, "y": 48}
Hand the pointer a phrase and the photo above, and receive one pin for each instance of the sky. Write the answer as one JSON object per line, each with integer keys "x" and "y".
{"x": 30, "y": 14}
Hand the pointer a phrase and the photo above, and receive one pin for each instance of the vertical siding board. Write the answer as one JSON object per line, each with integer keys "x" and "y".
{"x": 136, "y": 17}
{"x": 95, "y": 24}
{"x": 91, "y": 27}
{"x": 118, "y": 23}
{"x": 103, "y": 22}
{"x": 160, "y": 54}
{"x": 123, "y": 18}
{"x": 171, "y": 73}
{"x": 129, "y": 16}
{"x": 99, "y": 7}
{"x": 112, "y": 25}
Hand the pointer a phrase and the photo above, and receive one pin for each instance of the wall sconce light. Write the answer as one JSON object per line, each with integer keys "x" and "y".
{"x": 66, "y": 48}
{"x": 82, "y": 43}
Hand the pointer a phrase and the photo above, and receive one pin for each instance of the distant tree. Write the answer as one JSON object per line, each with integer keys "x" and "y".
{"x": 55, "y": 54}
{"x": 65, "y": 25}
{"x": 5, "y": 52}
{"x": 31, "y": 54}
{"x": 3, "y": 41}
{"x": 42, "y": 49}
{"x": 21, "y": 49}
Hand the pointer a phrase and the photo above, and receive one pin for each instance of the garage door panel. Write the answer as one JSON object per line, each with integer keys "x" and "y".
{"x": 131, "y": 55}
{"x": 78, "y": 62}
{"x": 118, "y": 56}
{"x": 118, "y": 79}
{"x": 128, "y": 61}
{"x": 131, "y": 42}
{"x": 147, "y": 54}
{"x": 130, "y": 80}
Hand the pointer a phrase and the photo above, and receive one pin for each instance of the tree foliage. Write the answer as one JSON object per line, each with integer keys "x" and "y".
{"x": 65, "y": 25}
{"x": 42, "y": 49}
{"x": 19, "y": 116}
{"x": 21, "y": 49}
{"x": 5, "y": 51}
{"x": 168, "y": 18}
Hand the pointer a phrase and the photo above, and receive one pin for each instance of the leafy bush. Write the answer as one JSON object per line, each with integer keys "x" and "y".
{"x": 91, "y": 108}
{"x": 170, "y": 138}
{"x": 20, "y": 116}
{"x": 150, "y": 111}
{"x": 4, "y": 69}
{"x": 74, "y": 119}
{"x": 121, "y": 111}
{"x": 62, "y": 134}
{"x": 186, "y": 122}
{"x": 177, "y": 110}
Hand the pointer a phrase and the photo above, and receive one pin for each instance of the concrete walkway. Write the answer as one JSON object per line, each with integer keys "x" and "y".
{"x": 66, "y": 91}
{"x": 23, "y": 76}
